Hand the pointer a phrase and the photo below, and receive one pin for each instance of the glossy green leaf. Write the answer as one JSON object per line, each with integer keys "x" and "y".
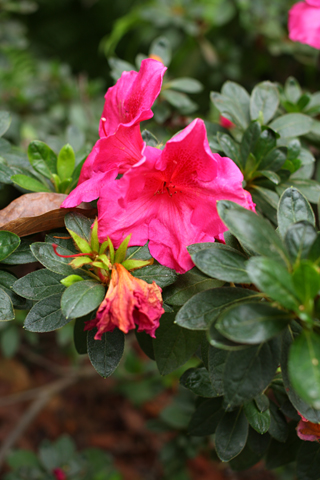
{"x": 303, "y": 407}
{"x": 39, "y": 284}
{"x": 306, "y": 281}
{"x": 282, "y": 453}
{"x": 231, "y": 110}
{"x": 293, "y": 208}
{"x": 79, "y": 224}
{"x": 6, "y": 307}
{"x": 216, "y": 363}
{"x": 9, "y": 242}
{"x": 274, "y": 280}
{"x": 46, "y": 315}
{"x": 260, "y": 421}
{"x": 198, "y": 381}
{"x": 230, "y": 148}
{"x": 278, "y": 425}
{"x": 270, "y": 175}
{"x": 292, "y": 125}
{"x": 7, "y": 281}
{"x": 45, "y": 254}
{"x": 66, "y": 162}
{"x": 188, "y": 285}
{"x": 5, "y": 121}
{"x": 268, "y": 195}
{"x": 239, "y": 97}
{"x": 308, "y": 461}
{"x": 21, "y": 255}
{"x": 265, "y": 99}
{"x": 82, "y": 298}
{"x": 82, "y": 244}
{"x": 249, "y": 141}
{"x": 219, "y": 341}
{"x": 145, "y": 343}
{"x": 248, "y": 457}
{"x": 185, "y": 84}
{"x": 299, "y": 239}
{"x": 42, "y": 158}
{"x": 292, "y": 90}
{"x": 252, "y": 230}
{"x": 248, "y": 372}
{"x": 252, "y": 323}
{"x": 80, "y": 335}
{"x": 231, "y": 434}
{"x": 180, "y": 101}
{"x": 105, "y": 354}
{"x": 29, "y": 183}
{"x": 224, "y": 264}
{"x": 173, "y": 345}
{"x": 205, "y": 307}
{"x": 205, "y": 419}
{"x": 163, "y": 276}
{"x": 303, "y": 367}
{"x": 309, "y": 188}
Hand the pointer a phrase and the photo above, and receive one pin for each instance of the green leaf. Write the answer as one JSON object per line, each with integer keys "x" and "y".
{"x": 230, "y": 148}
{"x": 308, "y": 461}
{"x": 21, "y": 255}
{"x": 265, "y": 145}
{"x": 46, "y": 315}
{"x": 306, "y": 281}
{"x": 268, "y": 195}
{"x": 9, "y": 242}
{"x": 216, "y": 363}
{"x": 274, "y": 280}
{"x": 6, "y": 307}
{"x": 5, "y": 121}
{"x": 22, "y": 459}
{"x": 80, "y": 335}
{"x": 66, "y": 162}
{"x": 249, "y": 141}
{"x": 260, "y": 421}
{"x": 292, "y": 90}
{"x": 185, "y": 84}
{"x": 82, "y": 298}
{"x": 239, "y": 97}
{"x": 272, "y": 176}
{"x": 198, "y": 381}
{"x": 278, "y": 425}
{"x": 29, "y": 183}
{"x": 231, "y": 435}
{"x": 7, "y": 281}
{"x": 163, "y": 276}
{"x": 45, "y": 254}
{"x": 120, "y": 254}
{"x": 225, "y": 264}
{"x": 188, "y": 285}
{"x": 262, "y": 402}
{"x": 205, "y": 307}
{"x": 145, "y": 343}
{"x": 79, "y": 224}
{"x": 70, "y": 280}
{"x": 304, "y": 408}
{"x": 219, "y": 341}
{"x": 280, "y": 453}
{"x": 173, "y": 345}
{"x": 292, "y": 125}
{"x": 293, "y": 208}
{"x": 105, "y": 354}
{"x": 162, "y": 48}
{"x": 39, "y": 284}
{"x": 299, "y": 239}
{"x": 42, "y": 158}
{"x": 252, "y": 323}
{"x": 248, "y": 457}
{"x": 303, "y": 367}
{"x": 180, "y": 101}
{"x": 231, "y": 109}
{"x": 82, "y": 244}
{"x": 248, "y": 372}
{"x": 309, "y": 188}
{"x": 205, "y": 419}
{"x": 265, "y": 99}
{"x": 252, "y": 230}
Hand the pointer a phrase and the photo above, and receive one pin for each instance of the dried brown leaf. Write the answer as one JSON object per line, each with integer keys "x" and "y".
{"x": 37, "y": 212}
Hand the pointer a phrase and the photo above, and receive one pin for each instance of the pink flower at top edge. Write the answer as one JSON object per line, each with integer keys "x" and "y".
{"x": 129, "y": 302}
{"x": 307, "y": 430}
{"x": 304, "y": 23}
{"x": 170, "y": 198}
{"x": 127, "y": 104}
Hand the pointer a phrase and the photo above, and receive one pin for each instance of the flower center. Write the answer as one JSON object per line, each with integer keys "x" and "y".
{"x": 168, "y": 188}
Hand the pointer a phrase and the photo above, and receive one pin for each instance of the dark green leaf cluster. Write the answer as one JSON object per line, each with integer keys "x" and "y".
{"x": 269, "y": 145}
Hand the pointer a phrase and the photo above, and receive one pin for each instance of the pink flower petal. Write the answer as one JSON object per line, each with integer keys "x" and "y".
{"x": 304, "y": 23}
{"x": 129, "y": 102}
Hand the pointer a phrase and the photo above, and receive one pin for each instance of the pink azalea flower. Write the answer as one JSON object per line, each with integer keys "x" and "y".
{"x": 170, "y": 198}
{"x": 304, "y": 23}
{"x": 59, "y": 474}
{"x": 129, "y": 302}
{"x": 226, "y": 123}
{"x": 127, "y": 104}
{"x": 307, "y": 430}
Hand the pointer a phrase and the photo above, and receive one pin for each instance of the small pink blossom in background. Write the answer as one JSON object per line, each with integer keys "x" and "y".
{"x": 127, "y": 104}
{"x": 59, "y": 474}
{"x": 129, "y": 302}
{"x": 226, "y": 123}
{"x": 170, "y": 198}
{"x": 304, "y": 23}
{"x": 307, "y": 430}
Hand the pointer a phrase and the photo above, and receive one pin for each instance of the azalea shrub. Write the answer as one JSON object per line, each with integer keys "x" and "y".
{"x": 204, "y": 245}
